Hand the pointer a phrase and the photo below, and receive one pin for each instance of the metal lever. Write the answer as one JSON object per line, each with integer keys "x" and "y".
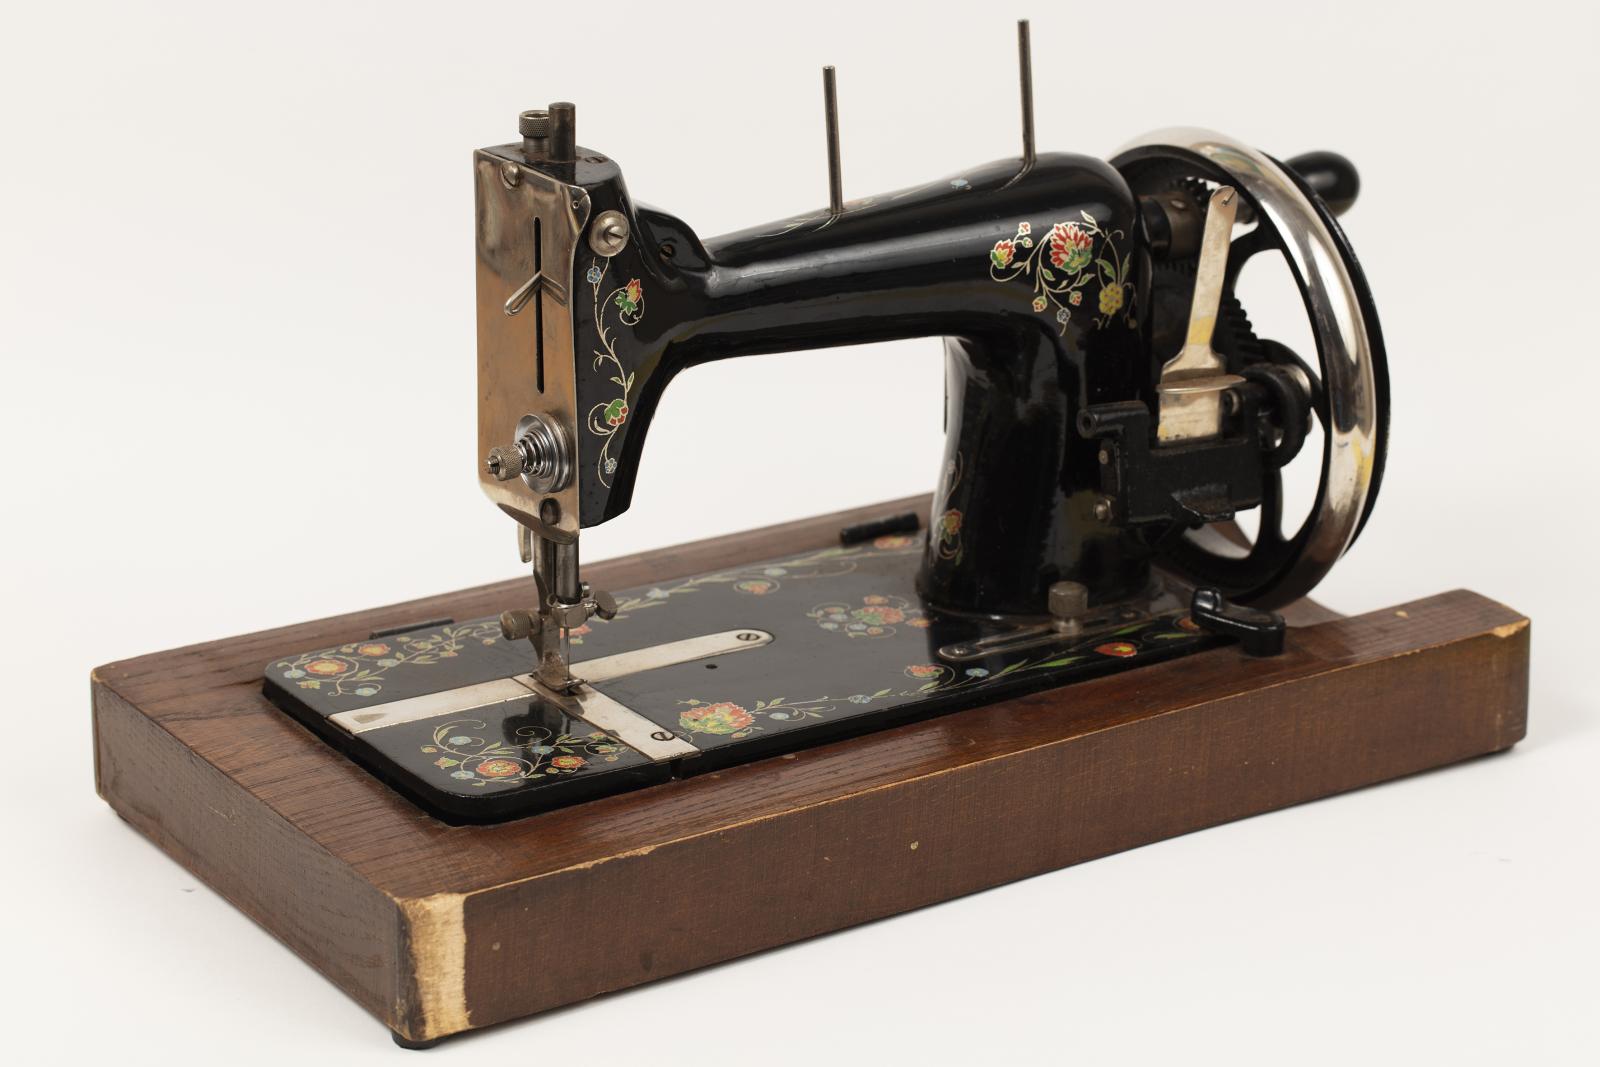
{"x": 1193, "y": 381}
{"x": 519, "y": 299}
{"x": 1260, "y": 633}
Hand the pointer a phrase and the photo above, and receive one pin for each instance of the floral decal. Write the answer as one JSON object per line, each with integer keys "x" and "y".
{"x": 725, "y": 718}
{"x": 629, "y": 298}
{"x": 500, "y": 768}
{"x": 464, "y": 753}
{"x": 1063, "y": 263}
{"x": 735, "y": 721}
{"x": 360, "y": 668}
{"x": 721, "y": 718}
{"x": 946, "y": 532}
{"x": 949, "y": 530}
{"x": 755, "y": 586}
{"x": 606, "y": 418}
{"x": 877, "y": 616}
{"x": 763, "y": 579}
{"x": 1071, "y": 248}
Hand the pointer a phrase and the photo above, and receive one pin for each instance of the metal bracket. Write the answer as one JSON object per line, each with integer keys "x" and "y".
{"x": 1065, "y": 632}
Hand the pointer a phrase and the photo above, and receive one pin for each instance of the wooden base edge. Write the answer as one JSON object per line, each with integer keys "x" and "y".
{"x": 428, "y": 926}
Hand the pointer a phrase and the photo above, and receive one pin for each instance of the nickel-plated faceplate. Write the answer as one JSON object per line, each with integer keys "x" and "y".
{"x": 528, "y": 226}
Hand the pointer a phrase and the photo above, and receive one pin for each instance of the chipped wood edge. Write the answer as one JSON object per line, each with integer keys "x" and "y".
{"x": 434, "y": 934}
{"x": 1510, "y": 629}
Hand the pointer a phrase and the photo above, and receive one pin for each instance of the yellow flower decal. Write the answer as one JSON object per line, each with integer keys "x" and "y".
{"x": 1110, "y": 299}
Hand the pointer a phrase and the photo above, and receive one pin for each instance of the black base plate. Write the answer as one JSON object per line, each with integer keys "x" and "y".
{"x": 854, "y": 649}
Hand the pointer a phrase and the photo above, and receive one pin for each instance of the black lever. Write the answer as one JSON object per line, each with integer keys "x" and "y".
{"x": 1260, "y": 633}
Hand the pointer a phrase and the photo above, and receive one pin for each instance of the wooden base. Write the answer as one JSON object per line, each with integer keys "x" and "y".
{"x": 436, "y": 929}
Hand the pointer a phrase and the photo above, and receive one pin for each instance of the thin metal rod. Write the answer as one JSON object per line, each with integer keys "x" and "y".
{"x": 1025, "y": 60}
{"x": 830, "y": 111}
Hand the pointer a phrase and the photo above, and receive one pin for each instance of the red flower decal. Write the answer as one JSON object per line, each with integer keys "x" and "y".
{"x": 1070, "y": 248}
{"x": 567, "y": 763}
{"x": 1117, "y": 648}
{"x": 722, "y": 718}
{"x": 499, "y": 768}
{"x": 878, "y": 616}
{"x": 327, "y": 667}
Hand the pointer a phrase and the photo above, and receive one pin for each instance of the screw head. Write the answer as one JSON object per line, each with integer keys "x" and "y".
{"x": 535, "y": 124}
{"x": 504, "y": 464}
{"x": 516, "y": 625}
{"x": 510, "y": 175}
{"x": 1069, "y": 600}
{"x": 1102, "y": 510}
{"x": 608, "y": 235}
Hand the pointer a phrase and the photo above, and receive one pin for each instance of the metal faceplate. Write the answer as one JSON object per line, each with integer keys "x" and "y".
{"x": 1345, "y": 340}
{"x": 528, "y": 226}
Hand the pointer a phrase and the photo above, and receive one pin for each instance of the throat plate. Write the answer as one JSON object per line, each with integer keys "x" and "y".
{"x": 840, "y": 644}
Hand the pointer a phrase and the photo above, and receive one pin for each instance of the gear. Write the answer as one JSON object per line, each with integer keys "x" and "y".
{"x": 1172, "y": 291}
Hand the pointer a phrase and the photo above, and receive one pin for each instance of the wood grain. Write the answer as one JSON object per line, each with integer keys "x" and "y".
{"x": 433, "y": 928}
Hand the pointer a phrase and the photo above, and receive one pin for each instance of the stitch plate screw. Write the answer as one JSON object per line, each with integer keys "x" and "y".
{"x": 748, "y": 636}
{"x": 661, "y": 735}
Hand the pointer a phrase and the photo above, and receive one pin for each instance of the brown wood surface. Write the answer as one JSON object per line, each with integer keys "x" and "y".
{"x": 434, "y": 928}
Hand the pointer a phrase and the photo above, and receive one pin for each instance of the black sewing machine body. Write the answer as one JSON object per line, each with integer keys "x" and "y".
{"x": 917, "y": 263}
{"x": 1106, "y": 401}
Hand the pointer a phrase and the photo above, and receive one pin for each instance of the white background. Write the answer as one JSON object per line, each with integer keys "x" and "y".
{"x": 236, "y": 321}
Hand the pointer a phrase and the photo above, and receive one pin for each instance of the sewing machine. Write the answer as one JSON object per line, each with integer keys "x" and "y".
{"x": 1109, "y": 411}
{"x": 1107, "y": 405}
